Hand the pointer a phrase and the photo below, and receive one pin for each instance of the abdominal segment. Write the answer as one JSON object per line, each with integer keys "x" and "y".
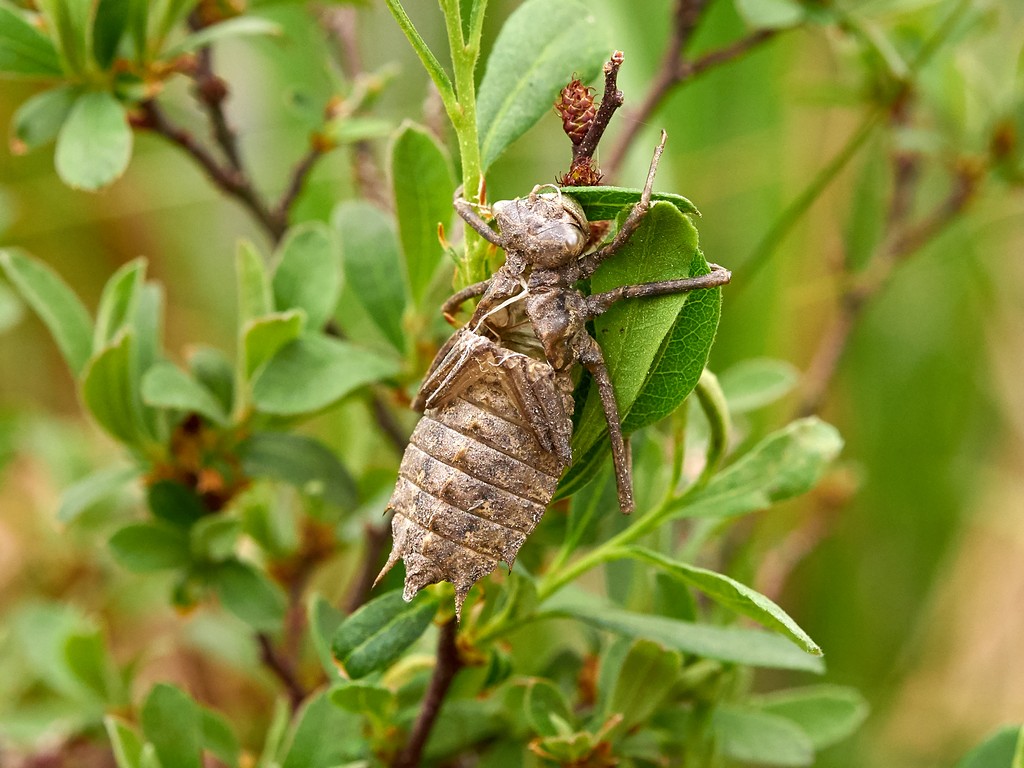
{"x": 476, "y": 478}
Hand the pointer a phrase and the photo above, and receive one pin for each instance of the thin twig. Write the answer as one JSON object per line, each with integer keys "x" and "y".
{"x": 211, "y": 90}
{"x": 448, "y": 665}
{"x": 282, "y": 669}
{"x": 300, "y": 174}
{"x": 611, "y": 100}
{"x": 676, "y": 70}
{"x": 232, "y": 182}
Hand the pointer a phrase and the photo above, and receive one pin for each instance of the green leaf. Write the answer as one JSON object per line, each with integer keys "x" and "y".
{"x": 423, "y": 183}
{"x": 547, "y": 711}
{"x": 379, "y": 632}
{"x": 165, "y": 14}
{"x": 118, "y": 302}
{"x": 58, "y": 307}
{"x": 219, "y": 738}
{"x": 308, "y": 274}
{"x": 771, "y": 14}
{"x": 373, "y": 268}
{"x": 324, "y": 620}
{"x": 12, "y": 309}
{"x": 214, "y": 372}
{"x": 172, "y": 723}
{"x": 264, "y": 336}
{"x": 213, "y": 538}
{"x": 731, "y": 594}
{"x": 751, "y": 647}
{"x": 647, "y": 675}
{"x": 89, "y": 661}
{"x": 756, "y": 737}
{"x": 125, "y": 742}
{"x": 631, "y": 332}
{"x": 368, "y": 699}
{"x": 145, "y": 547}
{"x": 79, "y": 497}
{"x": 95, "y": 143}
{"x": 313, "y": 372}
{"x": 1003, "y": 749}
{"x": 241, "y": 26}
{"x": 255, "y": 297}
{"x": 602, "y": 203}
{"x": 249, "y": 594}
{"x": 680, "y": 361}
{"x": 70, "y": 22}
{"x": 826, "y": 713}
{"x": 24, "y": 50}
{"x": 301, "y": 461}
{"x": 348, "y": 129}
{"x": 110, "y": 391}
{"x": 39, "y": 120}
{"x": 138, "y": 27}
{"x": 112, "y": 18}
{"x": 785, "y": 464}
{"x": 539, "y": 45}
{"x": 757, "y": 382}
{"x": 175, "y": 503}
{"x": 323, "y": 735}
{"x": 165, "y": 385}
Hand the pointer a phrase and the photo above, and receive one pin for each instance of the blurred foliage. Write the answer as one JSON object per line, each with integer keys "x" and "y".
{"x": 183, "y": 573}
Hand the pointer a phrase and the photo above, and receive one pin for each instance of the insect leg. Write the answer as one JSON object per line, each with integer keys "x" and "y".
{"x": 465, "y": 209}
{"x": 591, "y": 262}
{"x": 599, "y": 303}
{"x": 592, "y": 359}
{"x": 539, "y": 401}
{"x": 451, "y": 371}
{"x": 453, "y": 302}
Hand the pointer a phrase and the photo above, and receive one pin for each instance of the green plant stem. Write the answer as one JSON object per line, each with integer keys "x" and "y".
{"x": 429, "y": 61}
{"x": 712, "y": 402}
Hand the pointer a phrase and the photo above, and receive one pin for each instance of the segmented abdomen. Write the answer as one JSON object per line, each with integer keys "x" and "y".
{"x": 473, "y": 484}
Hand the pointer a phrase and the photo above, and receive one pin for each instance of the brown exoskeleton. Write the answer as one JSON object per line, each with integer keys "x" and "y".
{"x": 484, "y": 461}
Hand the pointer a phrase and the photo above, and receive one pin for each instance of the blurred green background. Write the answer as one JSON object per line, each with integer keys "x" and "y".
{"x": 907, "y": 566}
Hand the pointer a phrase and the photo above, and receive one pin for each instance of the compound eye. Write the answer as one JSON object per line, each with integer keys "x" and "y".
{"x": 574, "y": 239}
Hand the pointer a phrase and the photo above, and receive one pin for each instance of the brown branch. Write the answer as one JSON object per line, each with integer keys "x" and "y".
{"x": 281, "y": 667}
{"x": 231, "y": 181}
{"x": 448, "y": 665}
{"x": 611, "y": 100}
{"x": 677, "y": 70}
{"x": 300, "y": 174}
{"x": 211, "y": 90}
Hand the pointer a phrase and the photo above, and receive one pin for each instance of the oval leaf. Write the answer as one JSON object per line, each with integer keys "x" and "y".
{"x": 377, "y": 634}
{"x": 538, "y": 47}
{"x": 95, "y": 143}
{"x": 423, "y": 183}
{"x": 237, "y": 27}
{"x": 144, "y": 547}
{"x": 602, "y": 202}
{"x": 312, "y": 372}
{"x": 646, "y": 676}
{"x": 118, "y": 301}
{"x": 756, "y": 737}
{"x": 173, "y": 724}
{"x": 165, "y": 385}
{"x": 301, "y": 461}
{"x": 731, "y": 594}
{"x": 264, "y": 336}
{"x": 547, "y": 710}
{"x": 39, "y": 120}
{"x": 110, "y": 391}
{"x": 92, "y": 489}
{"x": 1004, "y": 749}
{"x": 58, "y": 307}
{"x": 249, "y": 594}
{"x": 308, "y": 274}
{"x": 826, "y": 713}
{"x": 757, "y": 382}
{"x": 175, "y": 503}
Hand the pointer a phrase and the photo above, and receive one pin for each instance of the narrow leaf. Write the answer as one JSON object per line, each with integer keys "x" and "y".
{"x": 1002, "y": 749}
{"x": 145, "y": 547}
{"x": 24, "y": 50}
{"x": 376, "y": 635}
{"x": 771, "y": 14}
{"x": 79, "y": 497}
{"x": 255, "y": 298}
{"x": 826, "y": 713}
{"x": 124, "y": 741}
{"x": 165, "y": 385}
{"x": 118, "y": 301}
{"x": 95, "y": 143}
{"x": 69, "y": 22}
{"x": 56, "y": 304}
{"x": 301, "y": 461}
{"x": 172, "y": 723}
{"x": 214, "y": 371}
{"x": 731, "y": 594}
{"x": 241, "y": 26}
{"x": 112, "y": 18}
{"x": 308, "y": 274}
{"x": 38, "y": 121}
{"x": 373, "y": 269}
{"x": 751, "y": 647}
{"x": 264, "y": 336}
{"x": 219, "y": 738}
{"x": 547, "y": 711}
{"x": 323, "y": 736}
{"x": 423, "y": 183}
{"x": 538, "y": 46}
{"x": 110, "y": 391}
{"x": 648, "y": 673}
{"x": 313, "y": 372}
{"x": 324, "y": 620}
